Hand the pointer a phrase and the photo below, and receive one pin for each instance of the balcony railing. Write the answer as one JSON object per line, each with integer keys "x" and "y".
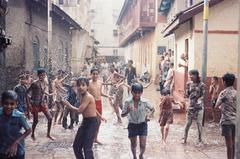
{"x": 139, "y": 15}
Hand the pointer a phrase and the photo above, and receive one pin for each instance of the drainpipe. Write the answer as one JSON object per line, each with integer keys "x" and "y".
{"x": 49, "y": 34}
{"x": 238, "y": 94}
{"x": 205, "y": 45}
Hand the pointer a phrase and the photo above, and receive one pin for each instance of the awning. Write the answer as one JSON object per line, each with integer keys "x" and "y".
{"x": 186, "y": 15}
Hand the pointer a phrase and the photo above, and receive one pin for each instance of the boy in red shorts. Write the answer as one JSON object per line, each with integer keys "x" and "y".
{"x": 95, "y": 89}
{"x": 38, "y": 92}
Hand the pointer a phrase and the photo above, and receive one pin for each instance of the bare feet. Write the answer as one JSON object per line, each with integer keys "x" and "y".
{"x": 33, "y": 137}
{"x": 50, "y": 137}
{"x": 59, "y": 122}
{"x": 119, "y": 120}
{"x": 98, "y": 142}
{"x": 183, "y": 141}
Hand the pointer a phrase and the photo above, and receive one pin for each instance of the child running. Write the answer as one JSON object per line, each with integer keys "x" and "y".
{"x": 11, "y": 123}
{"x": 87, "y": 131}
{"x": 137, "y": 109}
{"x": 166, "y": 114}
{"x": 38, "y": 92}
{"x": 95, "y": 89}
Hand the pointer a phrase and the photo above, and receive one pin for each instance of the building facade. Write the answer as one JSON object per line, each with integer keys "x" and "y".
{"x": 26, "y": 23}
{"x": 140, "y": 28}
{"x": 186, "y": 28}
{"x": 104, "y": 28}
{"x": 83, "y": 43}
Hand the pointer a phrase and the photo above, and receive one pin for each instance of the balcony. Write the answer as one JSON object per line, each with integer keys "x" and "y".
{"x": 137, "y": 18}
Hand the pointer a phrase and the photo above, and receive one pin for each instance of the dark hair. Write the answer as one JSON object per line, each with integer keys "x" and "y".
{"x": 94, "y": 69}
{"x": 9, "y": 94}
{"x": 82, "y": 80}
{"x": 131, "y": 61}
{"x": 40, "y": 71}
{"x": 215, "y": 78}
{"x": 59, "y": 72}
{"x": 22, "y": 77}
{"x": 74, "y": 79}
{"x": 195, "y": 73}
{"x": 112, "y": 65}
{"x": 137, "y": 87}
{"x": 228, "y": 79}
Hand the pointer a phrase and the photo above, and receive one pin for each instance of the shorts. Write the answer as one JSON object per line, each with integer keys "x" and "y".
{"x": 137, "y": 129}
{"x": 213, "y": 101}
{"x": 113, "y": 90}
{"x": 166, "y": 118}
{"x": 3, "y": 156}
{"x": 228, "y": 130}
{"x": 99, "y": 106}
{"x": 39, "y": 108}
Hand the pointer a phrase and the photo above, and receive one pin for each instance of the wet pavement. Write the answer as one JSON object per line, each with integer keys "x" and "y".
{"x": 116, "y": 144}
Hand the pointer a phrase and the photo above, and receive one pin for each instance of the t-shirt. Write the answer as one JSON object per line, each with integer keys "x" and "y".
{"x": 228, "y": 100}
{"x": 21, "y": 91}
{"x": 136, "y": 115}
{"x": 166, "y": 104}
{"x": 130, "y": 74}
{"x": 195, "y": 92}
{"x": 10, "y": 130}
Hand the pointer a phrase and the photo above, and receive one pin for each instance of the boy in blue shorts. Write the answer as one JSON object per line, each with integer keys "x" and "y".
{"x": 137, "y": 110}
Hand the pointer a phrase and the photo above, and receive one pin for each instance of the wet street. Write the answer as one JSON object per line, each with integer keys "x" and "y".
{"x": 116, "y": 143}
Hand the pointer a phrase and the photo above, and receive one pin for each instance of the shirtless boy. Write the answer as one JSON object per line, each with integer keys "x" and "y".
{"x": 38, "y": 91}
{"x": 60, "y": 92}
{"x": 95, "y": 89}
{"x": 116, "y": 91}
{"x": 87, "y": 131}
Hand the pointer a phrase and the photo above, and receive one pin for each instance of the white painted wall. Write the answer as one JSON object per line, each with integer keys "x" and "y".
{"x": 105, "y": 14}
{"x": 222, "y": 48}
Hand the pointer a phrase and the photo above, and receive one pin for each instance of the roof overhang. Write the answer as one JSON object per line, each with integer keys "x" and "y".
{"x": 138, "y": 33}
{"x": 123, "y": 10}
{"x": 59, "y": 12}
{"x": 185, "y": 16}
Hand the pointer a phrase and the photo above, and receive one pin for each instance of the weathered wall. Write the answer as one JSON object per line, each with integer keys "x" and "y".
{"x": 26, "y": 23}
{"x": 222, "y": 39}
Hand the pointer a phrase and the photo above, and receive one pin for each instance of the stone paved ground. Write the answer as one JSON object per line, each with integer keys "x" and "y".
{"x": 116, "y": 144}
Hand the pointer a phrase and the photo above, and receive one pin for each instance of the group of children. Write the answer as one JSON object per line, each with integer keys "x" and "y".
{"x": 224, "y": 100}
{"x": 83, "y": 96}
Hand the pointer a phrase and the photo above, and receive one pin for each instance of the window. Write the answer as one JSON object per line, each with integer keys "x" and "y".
{"x": 161, "y": 50}
{"x": 115, "y": 32}
{"x": 115, "y": 52}
{"x": 36, "y": 53}
{"x": 189, "y": 3}
{"x": 61, "y": 2}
